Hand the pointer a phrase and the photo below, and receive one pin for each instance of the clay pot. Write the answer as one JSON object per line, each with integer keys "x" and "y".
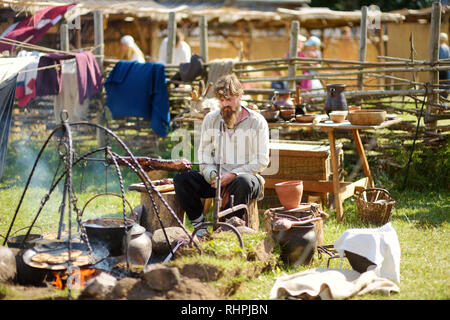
{"x": 335, "y": 100}
{"x": 283, "y": 100}
{"x": 297, "y": 244}
{"x": 290, "y": 193}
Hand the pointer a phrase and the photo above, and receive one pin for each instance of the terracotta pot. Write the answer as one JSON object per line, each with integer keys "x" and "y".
{"x": 290, "y": 193}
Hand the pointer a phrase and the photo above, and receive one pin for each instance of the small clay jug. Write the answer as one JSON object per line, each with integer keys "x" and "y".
{"x": 283, "y": 100}
{"x": 290, "y": 193}
{"x": 335, "y": 100}
{"x": 297, "y": 244}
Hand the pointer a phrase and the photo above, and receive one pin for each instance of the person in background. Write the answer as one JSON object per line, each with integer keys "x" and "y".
{"x": 130, "y": 49}
{"x": 282, "y": 85}
{"x": 312, "y": 48}
{"x": 444, "y": 53}
{"x": 182, "y": 51}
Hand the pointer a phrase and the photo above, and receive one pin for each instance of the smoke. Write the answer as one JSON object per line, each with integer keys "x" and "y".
{"x": 25, "y": 158}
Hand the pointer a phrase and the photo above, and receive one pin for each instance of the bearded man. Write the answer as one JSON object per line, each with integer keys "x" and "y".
{"x": 245, "y": 151}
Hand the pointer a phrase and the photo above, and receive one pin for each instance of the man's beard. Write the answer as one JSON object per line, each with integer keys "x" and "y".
{"x": 229, "y": 116}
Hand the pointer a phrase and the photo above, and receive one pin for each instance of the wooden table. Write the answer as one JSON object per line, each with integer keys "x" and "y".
{"x": 341, "y": 190}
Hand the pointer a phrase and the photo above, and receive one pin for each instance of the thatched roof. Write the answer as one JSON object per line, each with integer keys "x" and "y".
{"x": 412, "y": 15}
{"x": 324, "y": 17}
{"x": 222, "y": 11}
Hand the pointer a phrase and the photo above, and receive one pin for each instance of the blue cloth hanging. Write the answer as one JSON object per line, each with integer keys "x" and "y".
{"x": 139, "y": 90}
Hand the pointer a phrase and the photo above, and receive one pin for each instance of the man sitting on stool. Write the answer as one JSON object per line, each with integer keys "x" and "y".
{"x": 245, "y": 153}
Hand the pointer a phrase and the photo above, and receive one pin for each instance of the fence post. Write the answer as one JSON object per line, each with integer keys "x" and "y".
{"x": 203, "y": 24}
{"x": 172, "y": 28}
{"x": 99, "y": 52}
{"x": 362, "y": 43}
{"x": 64, "y": 37}
{"x": 435, "y": 29}
{"x": 293, "y": 48}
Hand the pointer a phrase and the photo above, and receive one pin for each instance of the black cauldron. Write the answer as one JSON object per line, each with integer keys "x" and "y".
{"x": 110, "y": 232}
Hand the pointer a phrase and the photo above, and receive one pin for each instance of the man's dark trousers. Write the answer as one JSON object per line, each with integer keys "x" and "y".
{"x": 191, "y": 186}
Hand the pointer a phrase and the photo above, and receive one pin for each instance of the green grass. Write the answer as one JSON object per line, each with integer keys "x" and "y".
{"x": 420, "y": 218}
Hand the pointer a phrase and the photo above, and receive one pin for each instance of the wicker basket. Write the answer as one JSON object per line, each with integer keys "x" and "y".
{"x": 374, "y": 205}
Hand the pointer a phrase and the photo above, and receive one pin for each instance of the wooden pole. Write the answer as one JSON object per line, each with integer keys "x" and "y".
{"x": 99, "y": 53}
{"x": 435, "y": 29}
{"x": 64, "y": 37}
{"x": 99, "y": 39}
{"x": 362, "y": 43}
{"x": 293, "y": 48}
{"x": 172, "y": 28}
{"x": 203, "y": 25}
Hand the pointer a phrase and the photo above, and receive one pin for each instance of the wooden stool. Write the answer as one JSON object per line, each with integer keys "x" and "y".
{"x": 252, "y": 220}
{"x": 150, "y": 221}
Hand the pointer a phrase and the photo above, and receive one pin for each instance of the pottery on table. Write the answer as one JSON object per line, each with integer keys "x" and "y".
{"x": 283, "y": 100}
{"x": 270, "y": 115}
{"x": 338, "y": 116}
{"x": 335, "y": 100}
{"x": 290, "y": 193}
{"x": 287, "y": 114}
{"x": 305, "y": 118}
{"x": 366, "y": 117}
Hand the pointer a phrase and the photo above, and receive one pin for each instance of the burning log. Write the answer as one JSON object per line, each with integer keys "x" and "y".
{"x": 155, "y": 164}
{"x": 77, "y": 280}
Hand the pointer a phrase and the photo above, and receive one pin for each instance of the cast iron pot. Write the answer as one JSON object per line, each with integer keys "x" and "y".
{"x": 110, "y": 232}
{"x": 297, "y": 244}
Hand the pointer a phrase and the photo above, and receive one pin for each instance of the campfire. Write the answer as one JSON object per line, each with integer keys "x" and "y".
{"x": 77, "y": 279}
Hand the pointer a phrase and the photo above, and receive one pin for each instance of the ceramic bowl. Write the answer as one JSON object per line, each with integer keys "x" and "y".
{"x": 338, "y": 116}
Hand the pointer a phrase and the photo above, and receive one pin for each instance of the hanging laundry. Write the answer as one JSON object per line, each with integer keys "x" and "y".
{"x": 89, "y": 75}
{"x": 26, "y": 80}
{"x": 48, "y": 81}
{"x": 10, "y": 67}
{"x": 7, "y": 90}
{"x": 68, "y": 97}
{"x": 32, "y": 29}
{"x": 140, "y": 90}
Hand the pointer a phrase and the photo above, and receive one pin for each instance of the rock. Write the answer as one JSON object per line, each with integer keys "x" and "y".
{"x": 161, "y": 278}
{"x": 235, "y": 222}
{"x": 244, "y": 229}
{"x": 99, "y": 287}
{"x": 203, "y": 272}
{"x": 175, "y": 234}
{"x": 124, "y": 286}
{"x": 264, "y": 250}
{"x": 8, "y": 267}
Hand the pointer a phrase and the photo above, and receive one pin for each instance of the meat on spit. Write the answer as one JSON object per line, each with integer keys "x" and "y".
{"x": 155, "y": 164}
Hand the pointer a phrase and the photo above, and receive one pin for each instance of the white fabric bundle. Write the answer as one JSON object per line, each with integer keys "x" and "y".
{"x": 379, "y": 245}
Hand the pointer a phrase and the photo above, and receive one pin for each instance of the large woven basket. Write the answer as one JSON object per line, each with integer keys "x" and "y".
{"x": 374, "y": 205}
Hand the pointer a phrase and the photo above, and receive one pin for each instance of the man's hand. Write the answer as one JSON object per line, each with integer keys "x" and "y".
{"x": 226, "y": 179}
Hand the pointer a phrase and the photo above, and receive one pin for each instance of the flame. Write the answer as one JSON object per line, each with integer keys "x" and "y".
{"x": 78, "y": 278}
{"x": 57, "y": 282}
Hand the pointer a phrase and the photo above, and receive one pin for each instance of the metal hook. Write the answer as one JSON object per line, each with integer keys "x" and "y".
{"x": 64, "y": 116}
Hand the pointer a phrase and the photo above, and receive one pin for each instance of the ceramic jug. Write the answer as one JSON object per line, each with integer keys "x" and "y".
{"x": 335, "y": 100}
{"x": 297, "y": 244}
